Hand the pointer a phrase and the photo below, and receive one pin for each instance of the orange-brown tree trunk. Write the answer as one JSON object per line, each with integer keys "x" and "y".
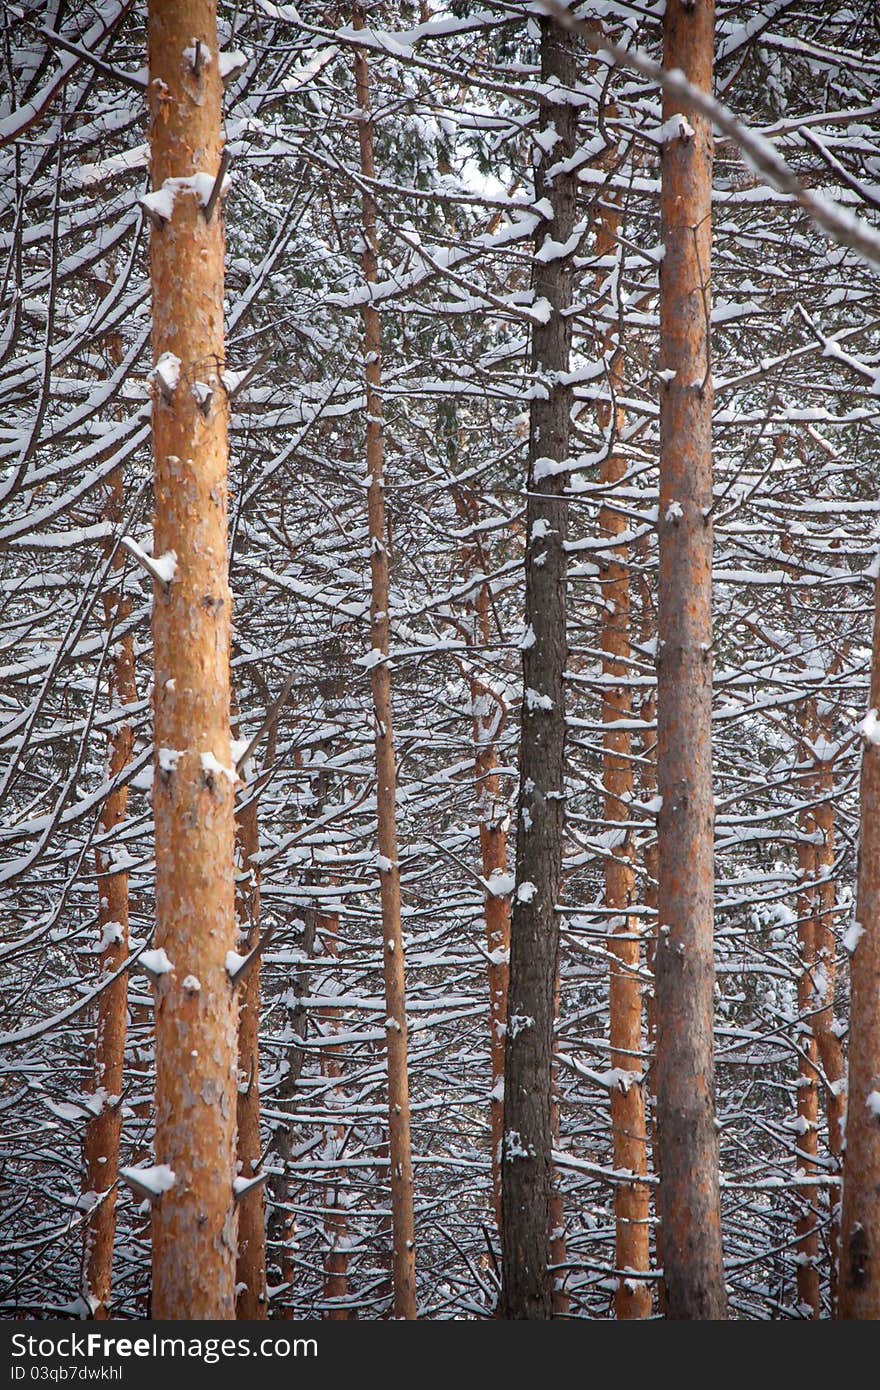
{"x": 194, "y": 1227}
{"x": 103, "y": 1132}
{"x": 859, "y": 1275}
{"x": 685, "y": 972}
{"x": 400, "y": 1147}
{"x": 250, "y": 1271}
{"x": 628, "y": 1121}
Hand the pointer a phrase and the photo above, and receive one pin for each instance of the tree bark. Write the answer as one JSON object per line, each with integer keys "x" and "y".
{"x": 859, "y": 1278}
{"x": 403, "y": 1224}
{"x": 628, "y": 1121}
{"x": 194, "y": 1227}
{"x": 526, "y": 1164}
{"x": 685, "y": 974}
{"x": 103, "y": 1132}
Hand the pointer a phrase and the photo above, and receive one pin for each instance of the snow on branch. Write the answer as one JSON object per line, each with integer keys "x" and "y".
{"x": 149, "y": 1182}
{"x": 162, "y": 568}
{"x": 206, "y": 188}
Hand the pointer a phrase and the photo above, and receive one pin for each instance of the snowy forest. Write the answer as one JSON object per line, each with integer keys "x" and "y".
{"x": 439, "y": 688}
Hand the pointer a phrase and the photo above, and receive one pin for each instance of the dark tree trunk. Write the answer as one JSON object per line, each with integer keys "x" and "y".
{"x": 527, "y": 1175}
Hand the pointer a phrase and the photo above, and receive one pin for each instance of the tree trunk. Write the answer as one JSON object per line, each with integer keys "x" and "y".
{"x": 526, "y": 1165}
{"x": 628, "y": 1121}
{"x": 250, "y": 1271}
{"x": 103, "y": 1132}
{"x": 685, "y": 974}
{"x": 859, "y": 1277}
{"x": 194, "y": 1228}
{"x": 403, "y": 1225}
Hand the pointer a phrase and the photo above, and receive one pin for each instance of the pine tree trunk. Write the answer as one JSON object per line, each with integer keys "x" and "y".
{"x": 403, "y": 1225}
{"x": 628, "y": 1121}
{"x": 250, "y": 1271}
{"x": 859, "y": 1277}
{"x": 103, "y": 1132}
{"x": 526, "y": 1164}
{"x": 685, "y": 975}
{"x": 194, "y": 1227}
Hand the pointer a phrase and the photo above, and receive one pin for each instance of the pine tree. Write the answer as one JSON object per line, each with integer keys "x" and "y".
{"x": 102, "y": 1141}
{"x": 400, "y": 1144}
{"x": 628, "y": 1121}
{"x": 194, "y": 1226}
{"x": 685, "y": 973}
{"x": 526, "y": 1166}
